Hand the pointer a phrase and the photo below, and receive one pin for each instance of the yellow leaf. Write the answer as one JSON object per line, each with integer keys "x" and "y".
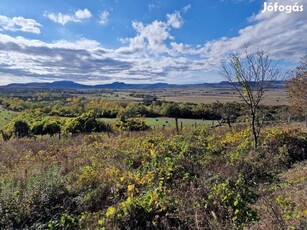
{"x": 100, "y": 222}
{"x": 152, "y": 152}
{"x": 110, "y": 211}
{"x": 130, "y": 187}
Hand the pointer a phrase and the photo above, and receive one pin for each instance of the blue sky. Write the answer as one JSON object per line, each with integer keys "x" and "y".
{"x": 134, "y": 41}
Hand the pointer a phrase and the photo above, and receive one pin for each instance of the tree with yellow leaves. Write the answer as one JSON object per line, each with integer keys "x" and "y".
{"x": 297, "y": 87}
{"x": 251, "y": 75}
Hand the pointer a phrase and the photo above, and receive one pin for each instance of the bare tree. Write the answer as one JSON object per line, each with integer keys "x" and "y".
{"x": 251, "y": 75}
{"x": 297, "y": 87}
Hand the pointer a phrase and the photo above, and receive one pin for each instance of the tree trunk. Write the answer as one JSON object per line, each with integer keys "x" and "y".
{"x": 254, "y": 130}
{"x": 228, "y": 122}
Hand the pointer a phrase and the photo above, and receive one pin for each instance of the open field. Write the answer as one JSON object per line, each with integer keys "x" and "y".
{"x": 159, "y": 122}
{"x": 195, "y": 95}
{"x": 110, "y": 96}
{"x": 188, "y": 94}
{"x": 273, "y": 97}
{"x": 165, "y": 121}
{"x": 5, "y": 115}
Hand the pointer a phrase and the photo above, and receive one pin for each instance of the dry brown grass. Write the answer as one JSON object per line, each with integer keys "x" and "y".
{"x": 273, "y": 97}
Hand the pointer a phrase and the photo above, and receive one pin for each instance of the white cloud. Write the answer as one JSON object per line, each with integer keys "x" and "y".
{"x": 186, "y": 8}
{"x": 149, "y": 37}
{"x": 104, "y": 18}
{"x": 60, "y": 18}
{"x": 180, "y": 48}
{"x": 83, "y": 14}
{"x": 78, "y": 16}
{"x": 152, "y": 38}
{"x": 19, "y": 24}
{"x": 175, "y": 20}
{"x": 282, "y": 34}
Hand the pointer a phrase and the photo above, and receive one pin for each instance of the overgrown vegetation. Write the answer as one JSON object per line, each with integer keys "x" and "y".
{"x": 62, "y": 167}
{"x": 203, "y": 179}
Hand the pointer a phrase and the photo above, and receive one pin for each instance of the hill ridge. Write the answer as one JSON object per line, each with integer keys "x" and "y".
{"x": 66, "y": 84}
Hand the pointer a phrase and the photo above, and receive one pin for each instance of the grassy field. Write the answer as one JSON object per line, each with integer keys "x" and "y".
{"x": 273, "y": 97}
{"x": 112, "y": 96}
{"x": 159, "y": 122}
{"x": 167, "y": 121}
{"x": 5, "y": 115}
{"x": 195, "y": 95}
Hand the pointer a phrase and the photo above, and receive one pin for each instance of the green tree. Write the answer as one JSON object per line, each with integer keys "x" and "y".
{"x": 86, "y": 123}
{"x": 135, "y": 110}
{"x": 38, "y": 128}
{"x": 171, "y": 110}
{"x": 52, "y": 128}
{"x": 230, "y": 111}
{"x": 21, "y": 129}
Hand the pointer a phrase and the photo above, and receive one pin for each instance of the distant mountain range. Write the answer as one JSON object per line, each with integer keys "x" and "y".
{"x": 123, "y": 86}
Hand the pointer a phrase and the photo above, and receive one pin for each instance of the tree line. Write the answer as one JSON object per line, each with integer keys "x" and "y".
{"x": 76, "y": 106}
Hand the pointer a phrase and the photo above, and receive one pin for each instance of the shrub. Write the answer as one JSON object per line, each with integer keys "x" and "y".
{"x": 21, "y": 129}
{"x": 86, "y": 123}
{"x": 35, "y": 202}
{"x": 132, "y": 125}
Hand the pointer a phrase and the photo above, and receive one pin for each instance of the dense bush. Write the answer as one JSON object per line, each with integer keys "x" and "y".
{"x": 132, "y": 125}
{"x": 85, "y": 123}
{"x": 46, "y": 127}
{"x": 21, "y": 129}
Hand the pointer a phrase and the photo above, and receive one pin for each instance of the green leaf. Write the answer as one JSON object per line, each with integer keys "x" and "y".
{"x": 236, "y": 202}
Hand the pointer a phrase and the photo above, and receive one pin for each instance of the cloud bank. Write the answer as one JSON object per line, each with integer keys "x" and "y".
{"x": 151, "y": 55}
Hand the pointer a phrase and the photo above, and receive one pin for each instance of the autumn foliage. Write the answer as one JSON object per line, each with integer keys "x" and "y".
{"x": 203, "y": 178}
{"x": 297, "y": 87}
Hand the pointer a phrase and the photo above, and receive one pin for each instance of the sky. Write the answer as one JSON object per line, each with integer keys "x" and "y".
{"x": 142, "y": 41}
